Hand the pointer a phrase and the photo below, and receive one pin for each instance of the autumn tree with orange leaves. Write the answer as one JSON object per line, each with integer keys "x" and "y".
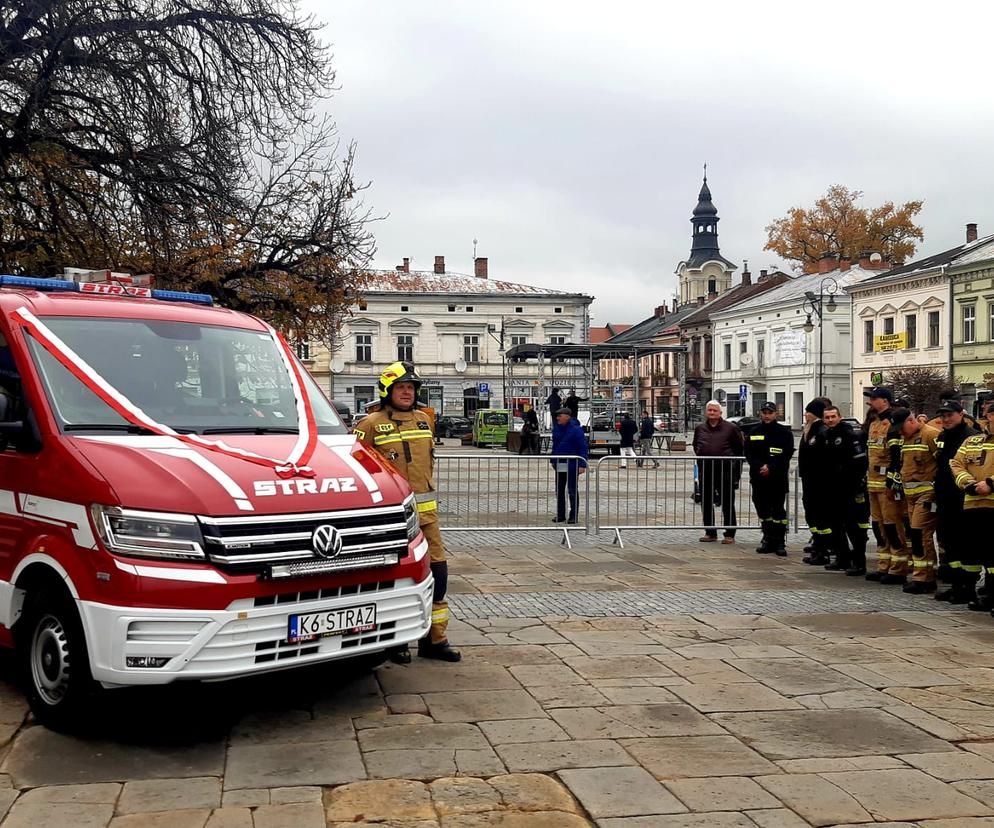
{"x": 837, "y": 224}
{"x": 182, "y": 138}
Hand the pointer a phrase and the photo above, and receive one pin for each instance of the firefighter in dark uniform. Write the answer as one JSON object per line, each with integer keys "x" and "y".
{"x": 949, "y": 502}
{"x": 846, "y": 467}
{"x": 768, "y": 449}
{"x": 403, "y": 434}
{"x": 816, "y": 494}
{"x": 973, "y": 471}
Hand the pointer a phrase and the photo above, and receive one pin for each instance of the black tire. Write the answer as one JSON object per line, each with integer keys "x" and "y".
{"x": 448, "y": 433}
{"x": 55, "y": 664}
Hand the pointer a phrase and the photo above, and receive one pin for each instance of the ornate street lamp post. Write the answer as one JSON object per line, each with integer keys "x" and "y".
{"x": 814, "y": 305}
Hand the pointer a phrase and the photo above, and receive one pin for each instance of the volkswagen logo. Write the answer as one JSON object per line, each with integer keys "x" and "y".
{"x": 326, "y": 541}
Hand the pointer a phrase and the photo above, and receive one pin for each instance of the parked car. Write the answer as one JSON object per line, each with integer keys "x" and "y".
{"x": 453, "y": 426}
{"x": 746, "y": 422}
{"x": 344, "y": 413}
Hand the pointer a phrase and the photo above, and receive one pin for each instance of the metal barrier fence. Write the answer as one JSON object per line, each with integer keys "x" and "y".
{"x": 505, "y": 491}
{"x": 518, "y": 492}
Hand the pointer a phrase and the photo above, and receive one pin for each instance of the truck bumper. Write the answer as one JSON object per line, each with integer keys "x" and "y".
{"x": 248, "y": 637}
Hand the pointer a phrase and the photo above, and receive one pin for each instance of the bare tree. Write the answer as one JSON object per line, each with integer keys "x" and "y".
{"x": 921, "y": 385}
{"x": 178, "y": 136}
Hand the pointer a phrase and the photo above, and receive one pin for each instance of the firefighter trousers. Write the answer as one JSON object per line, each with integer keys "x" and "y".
{"x": 978, "y": 551}
{"x": 921, "y": 513}
{"x": 949, "y": 533}
{"x": 888, "y": 514}
{"x": 440, "y": 572}
{"x": 769, "y": 497}
{"x": 817, "y": 514}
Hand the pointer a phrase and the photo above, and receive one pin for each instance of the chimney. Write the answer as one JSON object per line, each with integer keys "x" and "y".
{"x": 700, "y": 300}
{"x": 826, "y": 263}
{"x": 971, "y": 232}
{"x": 763, "y": 276}
{"x": 845, "y": 263}
{"x": 712, "y": 295}
{"x": 440, "y": 264}
{"x": 746, "y": 275}
{"x": 406, "y": 267}
{"x": 660, "y": 310}
{"x": 481, "y": 267}
{"x": 399, "y": 268}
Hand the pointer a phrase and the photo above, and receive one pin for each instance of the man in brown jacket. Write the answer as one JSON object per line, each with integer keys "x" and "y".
{"x": 918, "y": 471}
{"x": 717, "y": 438}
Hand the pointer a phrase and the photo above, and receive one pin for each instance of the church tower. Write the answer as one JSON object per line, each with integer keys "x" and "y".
{"x": 706, "y": 272}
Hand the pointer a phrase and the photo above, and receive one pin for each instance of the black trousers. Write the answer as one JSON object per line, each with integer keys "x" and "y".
{"x": 717, "y": 479}
{"x": 529, "y": 444}
{"x": 849, "y": 524}
{"x": 977, "y": 553}
{"x": 567, "y": 481}
{"x": 818, "y": 516}
{"x": 769, "y": 497}
{"x": 949, "y": 531}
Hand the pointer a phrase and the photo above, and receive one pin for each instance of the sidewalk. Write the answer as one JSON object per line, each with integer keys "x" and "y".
{"x": 665, "y": 685}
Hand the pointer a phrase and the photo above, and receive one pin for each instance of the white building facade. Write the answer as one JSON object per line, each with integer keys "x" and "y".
{"x": 761, "y": 346}
{"x": 456, "y": 329}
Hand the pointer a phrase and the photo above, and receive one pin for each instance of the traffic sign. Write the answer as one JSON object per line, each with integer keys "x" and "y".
{"x": 617, "y": 392}
{"x": 743, "y": 392}
{"x": 484, "y": 387}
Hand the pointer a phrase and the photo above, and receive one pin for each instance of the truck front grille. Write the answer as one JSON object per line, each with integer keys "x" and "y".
{"x": 282, "y": 543}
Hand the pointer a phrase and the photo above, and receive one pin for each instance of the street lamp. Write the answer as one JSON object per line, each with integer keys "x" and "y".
{"x": 815, "y": 304}
{"x": 503, "y": 357}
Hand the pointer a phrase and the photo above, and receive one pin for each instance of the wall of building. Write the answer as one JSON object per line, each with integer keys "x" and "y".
{"x": 973, "y": 361}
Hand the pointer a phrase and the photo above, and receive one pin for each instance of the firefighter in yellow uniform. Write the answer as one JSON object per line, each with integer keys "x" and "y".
{"x": 973, "y": 471}
{"x": 918, "y": 471}
{"x": 403, "y": 434}
{"x": 886, "y": 518}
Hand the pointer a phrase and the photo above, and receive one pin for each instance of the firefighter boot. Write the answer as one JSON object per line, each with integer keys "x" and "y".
{"x": 442, "y": 650}
{"x": 399, "y": 655}
{"x": 764, "y": 543}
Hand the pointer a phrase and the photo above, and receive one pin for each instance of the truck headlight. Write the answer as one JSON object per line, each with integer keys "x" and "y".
{"x": 148, "y": 534}
{"x": 411, "y": 518}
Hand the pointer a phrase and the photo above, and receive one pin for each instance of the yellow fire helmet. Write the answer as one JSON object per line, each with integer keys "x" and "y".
{"x": 397, "y": 372}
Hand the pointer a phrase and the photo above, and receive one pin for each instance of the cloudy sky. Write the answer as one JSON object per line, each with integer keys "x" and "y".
{"x": 568, "y": 137}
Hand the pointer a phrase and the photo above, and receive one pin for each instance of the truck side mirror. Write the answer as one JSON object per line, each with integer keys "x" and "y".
{"x": 11, "y": 431}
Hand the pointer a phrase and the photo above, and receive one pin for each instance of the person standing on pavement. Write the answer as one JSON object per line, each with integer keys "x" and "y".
{"x": 714, "y": 439}
{"x": 918, "y": 471}
{"x": 529, "y": 431}
{"x": 647, "y": 429}
{"x": 768, "y": 449}
{"x": 816, "y": 496}
{"x": 973, "y": 472}
{"x": 627, "y": 429}
{"x": 568, "y": 439}
{"x": 953, "y": 541}
{"x": 850, "y": 520}
{"x": 403, "y": 434}
{"x": 572, "y": 402}
{"x": 885, "y": 512}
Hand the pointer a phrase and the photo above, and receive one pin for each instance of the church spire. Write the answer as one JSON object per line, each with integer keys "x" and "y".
{"x": 704, "y": 220}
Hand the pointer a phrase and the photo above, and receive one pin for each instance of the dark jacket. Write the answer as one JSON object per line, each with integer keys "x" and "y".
{"x": 555, "y": 402}
{"x": 628, "y": 429}
{"x": 569, "y": 439}
{"x": 531, "y": 421}
{"x": 772, "y": 445}
{"x": 812, "y": 453}
{"x": 724, "y": 440}
{"x": 572, "y": 402}
{"x": 846, "y": 460}
{"x": 647, "y": 427}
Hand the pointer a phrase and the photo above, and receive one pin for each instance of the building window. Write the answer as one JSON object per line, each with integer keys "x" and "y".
{"x": 868, "y": 336}
{"x": 471, "y": 348}
{"x": 969, "y": 323}
{"x": 405, "y": 348}
{"x": 712, "y": 286}
{"x": 302, "y": 348}
{"x": 404, "y": 308}
{"x": 911, "y": 330}
{"x": 708, "y": 357}
{"x": 888, "y": 325}
{"x": 518, "y": 339}
{"x": 743, "y": 347}
{"x": 760, "y": 354}
{"x": 557, "y": 340}
{"x": 452, "y": 308}
{"x": 990, "y": 317}
{"x": 557, "y": 310}
{"x": 363, "y": 347}
{"x": 728, "y": 356}
{"x": 469, "y": 308}
{"x": 519, "y": 310}
{"x": 933, "y": 329}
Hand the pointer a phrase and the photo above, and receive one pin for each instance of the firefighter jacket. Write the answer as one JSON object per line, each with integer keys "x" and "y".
{"x": 812, "y": 451}
{"x": 406, "y": 439}
{"x": 974, "y": 463}
{"x": 772, "y": 445}
{"x": 948, "y": 443}
{"x": 846, "y": 458}
{"x": 878, "y": 453}
{"x": 895, "y": 440}
{"x": 918, "y": 463}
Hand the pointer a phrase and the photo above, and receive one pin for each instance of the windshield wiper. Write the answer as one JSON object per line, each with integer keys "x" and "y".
{"x": 249, "y": 429}
{"x": 122, "y": 428}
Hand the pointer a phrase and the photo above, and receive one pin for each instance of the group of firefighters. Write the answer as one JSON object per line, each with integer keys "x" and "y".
{"x": 922, "y": 485}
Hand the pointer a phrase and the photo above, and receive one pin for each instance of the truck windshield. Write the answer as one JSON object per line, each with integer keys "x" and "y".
{"x": 191, "y": 377}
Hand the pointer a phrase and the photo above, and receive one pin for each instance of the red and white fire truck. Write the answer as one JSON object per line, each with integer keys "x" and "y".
{"x": 178, "y": 500}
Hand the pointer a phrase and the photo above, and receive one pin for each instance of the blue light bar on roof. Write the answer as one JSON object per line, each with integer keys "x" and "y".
{"x": 183, "y": 296}
{"x": 33, "y": 283}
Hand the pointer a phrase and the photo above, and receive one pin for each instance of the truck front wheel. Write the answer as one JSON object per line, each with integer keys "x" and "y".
{"x": 54, "y": 660}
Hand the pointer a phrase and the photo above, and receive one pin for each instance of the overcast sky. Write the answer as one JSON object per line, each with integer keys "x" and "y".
{"x": 568, "y": 137}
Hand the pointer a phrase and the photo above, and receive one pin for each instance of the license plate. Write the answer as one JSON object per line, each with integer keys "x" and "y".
{"x": 332, "y": 622}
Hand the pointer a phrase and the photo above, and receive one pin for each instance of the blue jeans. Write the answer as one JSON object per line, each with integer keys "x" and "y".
{"x": 567, "y": 480}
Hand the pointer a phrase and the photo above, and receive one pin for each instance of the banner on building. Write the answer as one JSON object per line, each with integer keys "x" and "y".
{"x": 789, "y": 347}
{"x": 890, "y": 342}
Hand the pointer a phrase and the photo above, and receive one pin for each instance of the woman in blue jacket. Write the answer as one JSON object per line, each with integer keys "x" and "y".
{"x": 567, "y": 439}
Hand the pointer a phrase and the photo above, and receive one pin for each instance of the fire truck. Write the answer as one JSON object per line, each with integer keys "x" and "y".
{"x": 179, "y": 501}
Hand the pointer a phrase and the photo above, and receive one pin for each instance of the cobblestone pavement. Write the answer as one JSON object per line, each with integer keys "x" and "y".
{"x": 666, "y": 684}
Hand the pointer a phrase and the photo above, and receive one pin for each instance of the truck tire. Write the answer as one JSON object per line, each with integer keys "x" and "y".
{"x": 55, "y": 664}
